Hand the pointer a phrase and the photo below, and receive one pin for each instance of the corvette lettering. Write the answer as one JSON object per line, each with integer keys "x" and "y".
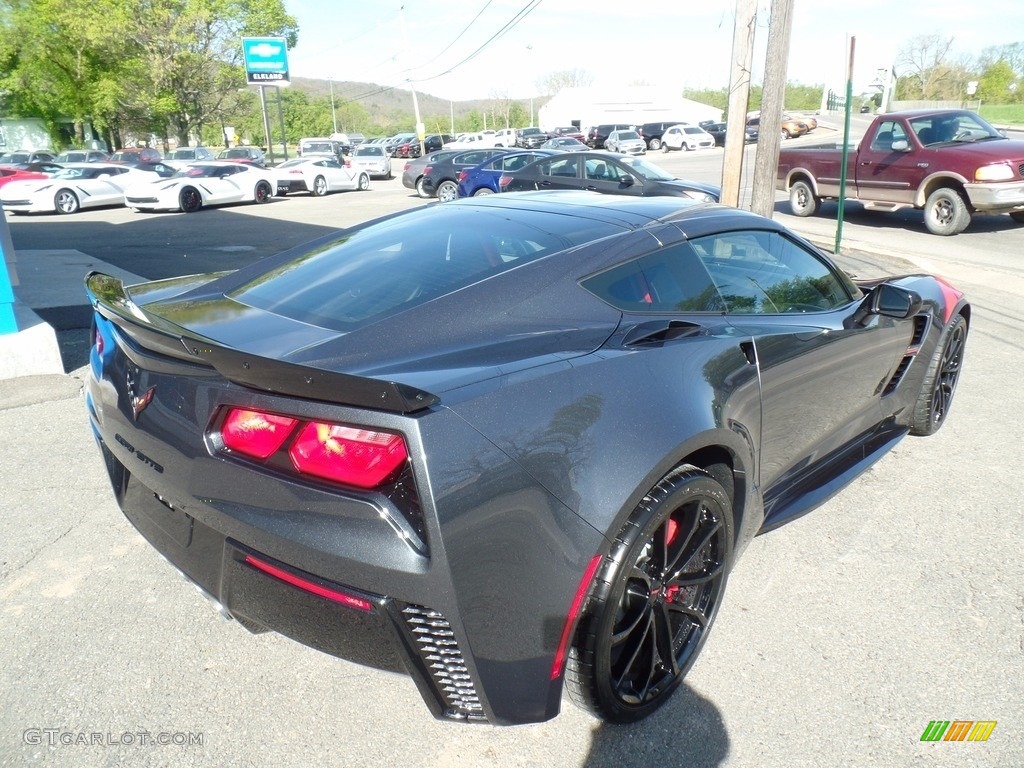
{"x": 138, "y": 454}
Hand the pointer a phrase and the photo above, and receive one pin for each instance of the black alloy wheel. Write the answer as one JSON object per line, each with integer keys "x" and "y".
{"x": 939, "y": 385}
{"x": 189, "y": 200}
{"x": 654, "y": 599}
{"x": 263, "y": 192}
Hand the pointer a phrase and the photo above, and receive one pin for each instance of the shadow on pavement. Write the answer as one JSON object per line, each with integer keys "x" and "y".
{"x": 687, "y": 731}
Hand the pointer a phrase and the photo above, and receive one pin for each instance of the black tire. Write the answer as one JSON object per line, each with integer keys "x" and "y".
{"x": 364, "y": 182}
{"x": 1017, "y": 216}
{"x": 447, "y": 191}
{"x": 785, "y": 135}
{"x": 319, "y": 186}
{"x": 421, "y": 188}
{"x": 262, "y": 193}
{"x": 655, "y": 145}
{"x": 939, "y": 384}
{"x": 65, "y": 201}
{"x": 483, "y": 191}
{"x": 946, "y": 212}
{"x": 686, "y": 147}
{"x": 666, "y": 148}
{"x": 802, "y": 200}
{"x": 189, "y": 200}
{"x": 678, "y": 541}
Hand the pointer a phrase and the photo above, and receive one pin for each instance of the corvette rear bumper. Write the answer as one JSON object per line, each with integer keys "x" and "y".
{"x": 264, "y": 594}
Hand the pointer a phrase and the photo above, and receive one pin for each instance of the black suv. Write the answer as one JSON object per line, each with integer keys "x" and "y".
{"x": 531, "y": 138}
{"x": 597, "y": 135}
{"x": 651, "y": 132}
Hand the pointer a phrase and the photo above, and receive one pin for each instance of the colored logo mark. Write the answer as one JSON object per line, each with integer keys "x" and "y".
{"x": 958, "y": 730}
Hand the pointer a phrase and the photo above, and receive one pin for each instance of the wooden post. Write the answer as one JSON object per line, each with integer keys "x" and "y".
{"x": 766, "y": 161}
{"x": 739, "y": 98}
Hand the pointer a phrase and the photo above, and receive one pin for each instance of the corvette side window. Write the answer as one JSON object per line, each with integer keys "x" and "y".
{"x": 766, "y": 273}
{"x": 669, "y": 280}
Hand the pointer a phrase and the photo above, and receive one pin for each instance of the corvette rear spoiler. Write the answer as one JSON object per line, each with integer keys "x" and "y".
{"x": 156, "y": 334}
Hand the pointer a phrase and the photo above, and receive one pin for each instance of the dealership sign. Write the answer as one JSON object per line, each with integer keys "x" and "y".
{"x": 266, "y": 60}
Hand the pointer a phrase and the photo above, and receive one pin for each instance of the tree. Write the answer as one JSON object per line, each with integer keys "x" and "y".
{"x": 928, "y": 69}
{"x": 997, "y": 83}
{"x": 143, "y": 67}
{"x": 553, "y": 82}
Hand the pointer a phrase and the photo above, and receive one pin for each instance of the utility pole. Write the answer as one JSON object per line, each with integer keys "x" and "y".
{"x": 739, "y": 97}
{"x": 766, "y": 161}
{"x": 421, "y": 129}
{"x": 334, "y": 115}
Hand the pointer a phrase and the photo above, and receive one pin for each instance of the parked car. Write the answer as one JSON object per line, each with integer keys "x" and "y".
{"x": 201, "y": 185}
{"x": 597, "y": 135}
{"x": 652, "y": 132}
{"x": 512, "y": 445}
{"x": 82, "y": 156}
{"x": 483, "y": 179}
{"x": 245, "y": 155}
{"x": 412, "y": 173}
{"x": 9, "y": 174}
{"x": 76, "y": 186}
{"x": 397, "y": 140}
{"x": 321, "y": 147}
{"x": 947, "y": 163}
{"x": 568, "y": 131}
{"x": 134, "y": 155}
{"x": 505, "y": 137}
{"x": 480, "y": 139}
{"x": 319, "y": 176}
{"x": 627, "y": 142}
{"x": 809, "y": 120}
{"x": 530, "y": 138}
{"x": 355, "y": 139}
{"x": 790, "y": 128}
{"x": 441, "y": 178}
{"x": 191, "y": 154}
{"x": 686, "y": 137}
{"x": 565, "y": 144}
{"x": 717, "y": 131}
{"x": 604, "y": 172}
{"x": 373, "y": 159}
{"x": 23, "y": 156}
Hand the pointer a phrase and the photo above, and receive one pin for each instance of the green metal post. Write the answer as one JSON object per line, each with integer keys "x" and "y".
{"x": 846, "y": 148}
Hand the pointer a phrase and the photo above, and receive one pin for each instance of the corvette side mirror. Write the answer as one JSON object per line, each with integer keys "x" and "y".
{"x": 889, "y": 300}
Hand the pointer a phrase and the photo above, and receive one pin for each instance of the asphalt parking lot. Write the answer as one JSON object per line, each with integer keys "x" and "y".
{"x": 842, "y": 635}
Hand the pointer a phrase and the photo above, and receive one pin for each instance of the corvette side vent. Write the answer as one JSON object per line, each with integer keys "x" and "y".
{"x": 437, "y": 646}
{"x": 920, "y": 325}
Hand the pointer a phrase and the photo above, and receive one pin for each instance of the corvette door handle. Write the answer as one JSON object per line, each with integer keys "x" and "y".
{"x": 749, "y": 351}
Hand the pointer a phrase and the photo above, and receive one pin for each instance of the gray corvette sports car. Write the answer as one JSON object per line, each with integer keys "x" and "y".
{"x": 511, "y": 445}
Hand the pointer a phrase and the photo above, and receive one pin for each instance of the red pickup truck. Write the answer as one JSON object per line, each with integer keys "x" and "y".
{"x": 949, "y": 163}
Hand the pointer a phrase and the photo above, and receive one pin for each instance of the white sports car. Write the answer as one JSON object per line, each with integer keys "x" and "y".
{"x": 78, "y": 185}
{"x": 319, "y": 175}
{"x": 202, "y": 184}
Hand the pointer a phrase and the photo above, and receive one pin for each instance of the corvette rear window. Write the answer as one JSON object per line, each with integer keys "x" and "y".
{"x": 400, "y": 263}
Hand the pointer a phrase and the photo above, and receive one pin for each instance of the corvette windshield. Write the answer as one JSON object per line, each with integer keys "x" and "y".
{"x": 398, "y": 264}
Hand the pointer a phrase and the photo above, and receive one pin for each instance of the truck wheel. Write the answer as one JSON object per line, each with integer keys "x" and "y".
{"x": 655, "y": 145}
{"x": 802, "y": 200}
{"x": 946, "y": 212}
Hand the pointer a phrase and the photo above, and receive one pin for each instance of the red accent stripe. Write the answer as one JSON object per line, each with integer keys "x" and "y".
{"x": 558, "y": 665}
{"x": 308, "y": 586}
{"x": 952, "y": 297}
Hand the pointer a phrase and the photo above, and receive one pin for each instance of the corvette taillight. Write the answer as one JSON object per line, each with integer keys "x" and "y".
{"x": 359, "y": 457}
{"x": 348, "y": 455}
{"x": 256, "y": 434}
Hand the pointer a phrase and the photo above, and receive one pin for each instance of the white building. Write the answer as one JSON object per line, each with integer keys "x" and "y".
{"x": 634, "y": 104}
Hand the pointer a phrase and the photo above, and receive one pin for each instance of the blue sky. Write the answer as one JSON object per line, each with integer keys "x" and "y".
{"x": 685, "y": 44}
